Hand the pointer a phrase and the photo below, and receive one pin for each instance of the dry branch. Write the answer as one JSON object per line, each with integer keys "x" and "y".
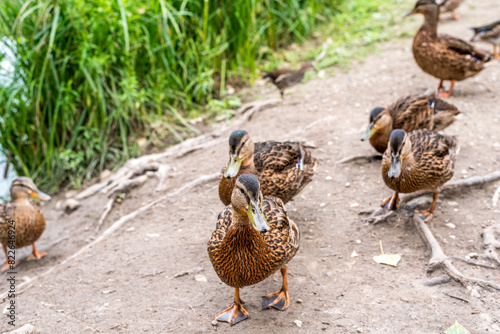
{"x": 439, "y": 260}
{"x": 105, "y": 213}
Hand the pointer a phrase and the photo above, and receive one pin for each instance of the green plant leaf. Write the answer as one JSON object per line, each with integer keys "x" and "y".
{"x": 456, "y": 329}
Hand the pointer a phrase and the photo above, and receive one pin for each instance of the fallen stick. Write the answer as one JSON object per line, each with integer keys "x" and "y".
{"x": 439, "y": 260}
{"x": 107, "y": 209}
{"x": 110, "y": 230}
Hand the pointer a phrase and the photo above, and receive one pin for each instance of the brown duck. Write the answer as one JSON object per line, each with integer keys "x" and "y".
{"x": 284, "y": 78}
{"x": 489, "y": 33}
{"x": 442, "y": 56}
{"x": 449, "y": 6}
{"x": 253, "y": 239}
{"x": 409, "y": 113}
{"x": 28, "y": 220}
{"x": 283, "y": 168}
{"x": 418, "y": 160}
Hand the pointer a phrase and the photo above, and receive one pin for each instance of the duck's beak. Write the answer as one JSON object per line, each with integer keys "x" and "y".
{"x": 233, "y": 167}
{"x": 256, "y": 216}
{"x": 40, "y": 195}
{"x": 369, "y": 132}
{"x": 395, "y": 168}
{"x": 410, "y": 12}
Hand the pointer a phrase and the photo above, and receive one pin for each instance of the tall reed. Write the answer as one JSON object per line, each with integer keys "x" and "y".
{"x": 91, "y": 74}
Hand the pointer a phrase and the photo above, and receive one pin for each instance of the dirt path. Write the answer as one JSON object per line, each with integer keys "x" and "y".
{"x": 124, "y": 284}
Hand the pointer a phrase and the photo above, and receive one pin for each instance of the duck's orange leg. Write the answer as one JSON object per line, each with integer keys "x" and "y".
{"x": 36, "y": 255}
{"x": 428, "y": 215}
{"x": 442, "y": 92}
{"x": 392, "y": 201}
{"x": 496, "y": 53}
{"x": 7, "y": 264}
{"x": 454, "y": 16}
{"x": 235, "y": 313}
{"x": 279, "y": 300}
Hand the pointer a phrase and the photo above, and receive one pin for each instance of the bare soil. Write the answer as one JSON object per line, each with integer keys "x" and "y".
{"x": 124, "y": 284}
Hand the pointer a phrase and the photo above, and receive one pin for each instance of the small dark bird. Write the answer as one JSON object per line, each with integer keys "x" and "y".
{"x": 489, "y": 33}
{"x": 283, "y": 168}
{"x": 252, "y": 240}
{"x": 409, "y": 113}
{"x": 285, "y": 77}
{"x": 29, "y": 221}
{"x": 442, "y": 56}
{"x": 418, "y": 160}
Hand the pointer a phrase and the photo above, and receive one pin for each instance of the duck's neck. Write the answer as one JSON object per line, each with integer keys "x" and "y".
{"x": 431, "y": 23}
{"x": 247, "y": 167}
{"x": 22, "y": 201}
{"x": 242, "y": 234}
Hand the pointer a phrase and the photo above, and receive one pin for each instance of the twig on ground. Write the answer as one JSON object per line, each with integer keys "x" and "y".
{"x": 153, "y": 274}
{"x": 472, "y": 262}
{"x": 126, "y": 185}
{"x": 107, "y": 209}
{"x": 456, "y": 297}
{"x": 359, "y": 157}
{"x": 439, "y": 260}
{"x": 187, "y": 272}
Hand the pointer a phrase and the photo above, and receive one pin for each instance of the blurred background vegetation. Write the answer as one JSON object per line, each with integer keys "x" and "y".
{"x": 91, "y": 77}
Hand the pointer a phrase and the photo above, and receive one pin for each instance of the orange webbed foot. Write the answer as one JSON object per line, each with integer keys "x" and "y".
{"x": 36, "y": 256}
{"x": 232, "y": 314}
{"x": 427, "y": 215}
{"x": 279, "y": 300}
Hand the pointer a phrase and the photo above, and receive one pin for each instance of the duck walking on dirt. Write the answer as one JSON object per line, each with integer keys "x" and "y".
{"x": 448, "y": 6}
{"x": 442, "y": 56}
{"x": 29, "y": 222}
{"x": 253, "y": 239}
{"x": 489, "y": 33}
{"x": 418, "y": 160}
{"x": 283, "y": 168}
{"x": 409, "y": 113}
{"x": 284, "y": 78}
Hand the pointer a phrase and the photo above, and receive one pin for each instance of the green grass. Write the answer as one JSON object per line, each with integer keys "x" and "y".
{"x": 93, "y": 76}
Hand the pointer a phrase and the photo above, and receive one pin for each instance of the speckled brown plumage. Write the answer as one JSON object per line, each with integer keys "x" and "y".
{"x": 29, "y": 223}
{"x": 276, "y": 165}
{"x": 410, "y": 113}
{"x": 429, "y": 165}
{"x": 489, "y": 33}
{"x": 242, "y": 256}
{"x": 284, "y": 78}
{"x": 442, "y": 56}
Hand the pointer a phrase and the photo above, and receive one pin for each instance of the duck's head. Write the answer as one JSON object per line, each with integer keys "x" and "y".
{"x": 378, "y": 120}
{"x": 425, "y": 7}
{"x": 399, "y": 148}
{"x": 247, "y": 200}
{"x": 23, "y": 187}
{"x": 240, "y": 152}
{"x": 308, "y": 66}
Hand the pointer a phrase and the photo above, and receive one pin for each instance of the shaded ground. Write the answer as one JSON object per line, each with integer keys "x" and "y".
{"x": 124, "y": 284}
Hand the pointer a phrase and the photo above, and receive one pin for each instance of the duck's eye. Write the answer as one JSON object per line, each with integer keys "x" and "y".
{"x": 242, "y": 191}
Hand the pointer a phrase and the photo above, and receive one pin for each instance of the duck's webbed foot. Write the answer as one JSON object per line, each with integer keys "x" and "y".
{"x": 279, "y": 300}
{"x": 36, "y": 255}
{"x": 234, "y": 313}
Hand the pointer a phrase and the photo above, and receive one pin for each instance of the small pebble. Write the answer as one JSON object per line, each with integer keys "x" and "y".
{"x": 328, "y": 178}
{"x": 451, "y": 203}
{"x": 298, "y": 323}
{"x": 452, "y": 236}
{"x": 153, "y": 235}
{"x": 130, "y": 229}
{"x": 299, "y": 301}
{"x": 200, "y": 278}
{"x": 359, "y": 330}
{"x": 354, "y": 205}
{"x": 215, "y": 322}
{"x": 354, "y": 254}
{"x": 322, "y": 204}
{"x": 347, "y": 185}
{"x": 450, "y": 225}
{"x": 358, "y": 241}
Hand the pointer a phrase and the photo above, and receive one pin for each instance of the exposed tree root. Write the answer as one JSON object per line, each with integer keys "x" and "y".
{"x": 491, "y": 244}
{"x": 110, "y": 230}
{"x": 359, "y": 157}
{"x": 380, "y": 214}
{"x": 439, "y": 260}
{"x": 126, "y": 185}
{"x": 107, "y": 210}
